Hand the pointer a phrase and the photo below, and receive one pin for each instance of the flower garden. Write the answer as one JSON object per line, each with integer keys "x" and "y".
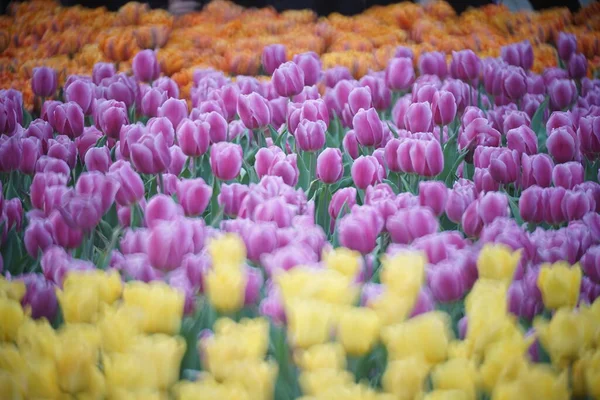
{"x": 245, "y": 204}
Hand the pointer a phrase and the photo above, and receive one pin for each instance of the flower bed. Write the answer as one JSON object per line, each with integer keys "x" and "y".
{"x": 365, "y": 220}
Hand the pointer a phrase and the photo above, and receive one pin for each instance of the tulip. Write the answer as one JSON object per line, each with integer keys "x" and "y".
{"x": 226, "y": 160}
{"x": 168, "y": 243}
{"x": 576, "y": 204}
{"x": 366, "y": 171}
{"x": 404, "y": 228}
{"x": 279, "y": 111}
{"x": 38, "y": 237}
{"x": 465, "y": 65}
{"x": 101, "y": 71}
{"x": 523, "y": 140}
{"x": 350, "y": 144}
{"x": 63, "y": 148}
{"x": 310, "y": 64}
{"x": 11, "y": 149}
{"x": 345, "y": 197}
{"x": 312, "y": 110}
{"x": 589, "y": 135}
{"x": 504, "y": 168}
{"x": 459, "y": 198}
{"x": 68, "y": 119}
{"x": 330, "y": 166}
{"x": 358, "y": 230}
{"x": 145, "y": 66}
{"x": 44, "y": 81}
{"x": 334, "y": 75}
{"x": 423, "y": 92}
{"x": 83, "y": 93}
{"x": 590, "y": 263}
{"x": 193, "y": 195}
{"x": 53, "y": 198}
{"x": 577, "y": 66}
{"x": 567, "y": 175}
{"x": 433, "y": 194}
{"x": 150, "y": 154}
{"x": 471, "y": 221}
{"x": 174, "y": 110}
{"x": 42, "y": 181}
{"x": 103, "y": 187}
{"x": 310, "y": 136}
{"x": 368, "y": 127}
{"x": 380, "y": 93}
{"x": 479, "y": 132}
{"x": 40, "y": 296}
{"x": 359, "y": 98}
{"x": 41, "y": 130}
{"x": 193, "y": 137}
{"x": 152, "y": 100}
{"x": 254, "y": 111}
{"x": 515, "y": 119}
{"x": 13, "y": 211}
{"x": 514, "y": 82}
{"x": 518, "y": 54}
{"x": 443, "y": 107}
{"x": 110, "y": 116}
{"x": 563, "y": 145}
{"x": 566, "y": 45}
{"x": 86, "y": 141}
{"x": 399, "y": 73}
{"x": 285, "y": 167}
{"x": 563, "y": 93}
{"x": 121, "y": 87}
{"x": 231, "y": 197}
{"x": 308, "y": 93}
{"x": 31, "y": 149}
{"x": 446, "y": 282}
{"x": 272, "y": 57}
{"x": 168, "y": 86}
{"x": 537, "y": 170}
{"x": 433, "y": 63}
{"x": 168, "y": 184}
{"x": 178, "y": 160}
{"x": 63, "y": 234}
{"x": 164, "y": 127}
{"x": 423, "y": 157}
{"x": 399, "y": 111}
{"x": 274, "y": 210}
{"x": 288, "y": 79}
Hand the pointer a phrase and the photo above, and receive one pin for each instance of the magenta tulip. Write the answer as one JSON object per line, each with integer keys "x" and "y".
{"x": 226, "y": 160}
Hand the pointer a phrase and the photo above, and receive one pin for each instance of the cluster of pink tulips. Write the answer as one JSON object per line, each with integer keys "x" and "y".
{"x": 116, "y": 172}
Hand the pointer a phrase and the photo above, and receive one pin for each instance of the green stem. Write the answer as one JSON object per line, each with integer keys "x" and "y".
{"x": 89, "y": 250}
{"x": 161, "y": 182}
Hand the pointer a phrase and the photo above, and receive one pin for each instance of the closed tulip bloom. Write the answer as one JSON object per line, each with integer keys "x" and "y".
{"x": 366, "y": 171}
{"x": 493, "y": 205}
{"x": 145, "y": 66}
{"x": 131, "y": 186}
{"x": 31, "y": 149}
{"x": 522, "y": 140}
{"x": 399, "y": 111}
{"x": 226, "y": 160}
{"x": 110, "y": 116}
{"x": 62, "y": 233}
{"x": 458, "y": 200}
{"x": 63, "y": 148}
{"x": 178, "y": 160}
{"x": 152, "y": 100}
{"x": 310, "y": 64}
{"x": 334, "y": 75}
{"x": 13, "y": 211}
{"x": 231, "y": 197}
{"x": 174, "y": 110}
{"x": 514, "y": 82}
{"x": 68, "y": 119}
{"x": 41, "y": 130}
{"x": 465, "y": 65}
{"x": 504, "y": 168}
{"x": 560, "y": 284}
{"x": 40, "y": 296}
{"x": 446, "y": 282}
{"x": 359, "y": 98}
{"x": 164, "y": 127}
{"x": 380, "y": 93}
{"x": 390, "y": 155}
{"x": 44, "y": 81}
{"x": 42, "y": 181}
{"x": 423, "y": 92}
{"x": 433, "y": 63}
{"x": 254, "y": 111}
{"x": 419, "y": 117}
{"x": 272, "y": 57}
{"x": 367, "y": 127}
{"x": 518, "y": 54}
{"x": 193, "y": 195}
{"x": 590, "y": 263}
{"x": 98, "y": 159}
{"x": 38, "y": 237}
{"x": 354, "y": 343}
{"x": 161, "y": 208}
{"x": 576, "y": 204}
{"x": 350, "y": 144}
{"x": 11, "y": 149}
{"x": 342, "y": 198}
{"x": 357, "y": 232}
{"x": 168, "y": 243}
{"x": 411, "y": 223}
{"x": 563, "y": 93}
{"x": 433, "y": 194}
{"x": 566, "y": 45}
{"x": 531, "y": 204}
{"x": 399, "y": 73}
{"x": 479, "y": 132}
{"x": 310, "y": 136}
{"x": 515, "y": 119}
{"x": 50, "y": 164}
{"x": 102, "y": 70}
{"x": 536, "y": 170}
{"x": 423, "y": 157}
{"x": 577, "y": 66}
{"x": 471, "y": 220}
{"x": 443, "y": 107}
{"x": 562, "y": 144}
{"x": 589, "y": 135}
{"x": 288, "y": 79}
{"x": 568, "y": 175}
{"x": 167, "y": 85}
{"x": 193, "y": 137}
{"x": 150, "y": 154}
{"x": 82, "y": 92}
{"x": 87, "y": 140}
{"x": 330, "y": 166}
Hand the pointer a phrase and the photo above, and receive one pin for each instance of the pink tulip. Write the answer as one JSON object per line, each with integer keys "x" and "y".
{"x": 96, "y": 184}
{"x": 350, "y": 144}
{"x": 523, "y": 140}
{"x": 145, "y": 66}
{"x": 433, "y": 194}
{"x": 568, "y": 175}
{"x": 310, "y": 136}
{"x": 563, "y": 93}
{"x": 62, "y": 233}
{"x": 44, "y": 81}
{"x": 576, "y": 204}
{"x": 101, "y": 71}
{"x": 459, "y": 198}
{"x": 359, "y": 229}
{"x": 42, "y": 181}
{"x": 226, "y": 160}
{"x": 31, "y": 149}
{"x": 446, "y": 282}
{"x": 504, "y": 168}
{"x": 86, "y": 141}
{"x": 131, "y": 186}
{"x": 288, "y": 79}
{"x": 359, "y": 98}
{"x": 411, "y": 223}
{"x": 230, "y": 198}
{"x": 479, "y": 132}
{"x": 168, "y": 243}
{"x": 174, "y": 110}
{"x": 399, "y": 73}
{"x": 566, "y": 45}
{"x": 254, "y": 111}
{"x": 465, "y": 65}
{"x": 274, "y": 210}
{"x": 272, "y": 57}
{"x": 63, "y": 148}
{"x": 433, "y": 63}
{"x": 423, "y": 157}
{"x": 150, "y": 154}
{"x": 418, "y": 117}
{"x": 310, "y": 64}
{"x": 193, "y": 195}
{"x": 366, "y": 171}
{"x": 161, "y": 208}
{"x": 178, "y": 160}
{"x": 563, "y": 144}
{"x": 368, "y": 127}
{"x": 193, "y": 137}
{"x": 110, "y": 116}
{"x": 98, "y": 159}
{"x": 330, "y": 167}
{"x": 38, "y": 237}
{"x": 254, "y": 282}
{"x": 444, "y": 107}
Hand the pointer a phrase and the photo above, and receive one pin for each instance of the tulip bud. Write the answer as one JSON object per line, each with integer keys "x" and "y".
{"x": 423, "y": 157}
{"x": 62, "y": 148}
{"x": 310, "y": 136}
{"x": 433, "y": 63}
{"x": 193, "y": 195}
{"x": 164, "y": 127}
{"x": 459, "y": 198}
{"x": 145, "y": 66}
{"x": 471, "y": 221}
{"x": 193, "y": 137}
{"x": 443, "y": 107}
{"x": 576, "y": 204}
{"x": 152, "y": 100}
{"x": 433, "y": 194}
{"x": 523, "y": 140}
{"x": 174, "y": 110}
{"x": 334, "y": 75}
{"x": 150, "y": 154}
{"x": 310, "y": 64}
{"x": 566, "y": 45}
{"x": 562, "y": 144}
{"x": 330, "y": 166}
{"x": 366, "y": 171}
{"x": 31, "y": 149}
{"x": 274, "y": 210}
{"x": 537, "y": 170}
{"x": 68, "y": 119}
{"x": 589, "y": 135}
{"x": 345, "y": 197}
{"x": 419, "y": 117}
{"x": 110, "y": 116}
{"x": 40, "y": 296}
{"x": 518, "y": 54}
{"x": 514, "y": 82}
{"x": 399, "y": 111}
{"x": 504, "y": 168}
{"x": 231, "y": 197}
{"x": 399, "y": 74}
{"x": 178, "y": 160}
{"x": 101, "y": 71}
{"x": 367, "y": 127}
{"x": 226, "y": 160}
{"x": 465, "y": 65}
{"x": 577, "y": 66}
{"x": 83, "y": 93}
{"x": 359, "y": 98}
{"x": 38, "y": 237}
{"x": 44, "y": 81}
{"x": 411, "y": 223}
{"x": 563, "y": 93}
{"x": 590, "y": 263}
{"x": 62, "y": 234}
{"x": 567, "y": 175}
{"x": 446, "y": 282}
{"x": 272, "y": 57}
{"x": 358, "y": 231}
{"x": 254, "y": 111}
{"x": 288, "y": 79}
{"x": 350, "y": 144}
{"x": 168, "y": 243}
{"x": 479, "y": 132}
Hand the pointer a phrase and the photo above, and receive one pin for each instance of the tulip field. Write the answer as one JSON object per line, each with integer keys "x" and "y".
{"x": 245, "y": 204}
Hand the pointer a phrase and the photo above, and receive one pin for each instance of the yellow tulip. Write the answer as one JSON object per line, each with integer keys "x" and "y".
{"x": 498, "y": 262}
{"x": 161, "y": 305}
{"x": 456, "y": 374}
{"x": 11, "y": 318}
{"x": 129, "y": 372}
{"x": 504, "y": 361}
{"x": 426, "y": 335}
{"x": 316, "y": 382}
{"x": 14, "y": 290}
{"x": 405, "y": 378}
{"x": 392, "y": 308}
{"x": 321, "y": 356}
{"x": 578, "y": 375}
{"x": 256, "y": 377}
{"x": 404, "y": 273}
{"x": 225, "y": 289}
{"x": 119, "y": 327}
{"x": 325, "y": 285}
{"x": 487, "y": 298}
{"x": 358, "y": 342}
{"x": 253, "y": 332}
{"x": 148, "y": 394}
{"x": 446, "y": 395}
{"x": 510, "y": 391}
{"x": 108, "y": 284}
{"x": 209, "y": 391}
{"x": 228, "y": 249}
{"x": 42, "y": 380}
{"x": 37, "y": 339}
{"x": 541, "y": 382}
{"x": 79, "y": 304}
{"x": 343, "y": 260}
{"x": 164, "y": 354}
{"x": 560, "y": 284}
{"x": 309, "y": 322}
{"x": 592, "y": 375}
{"x": 76, "y": 363}
{"x": 11, "y": 360}
{"x": 10, "y": 387}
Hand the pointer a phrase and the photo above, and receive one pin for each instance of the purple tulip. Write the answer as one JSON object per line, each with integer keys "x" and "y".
{"x": 38, "y": 237}
{"x": 145, "y": 66}
{"x": 162, "y": 126}
{"x": 62, "y": 233}
{"x": 310, "y": 136}
{"x": 13, "y": 211}
{"x": 366, "y": 171}
{"x": 424, "y": 303}
{"x": 590, "y": 263}
{"x": 563, "y": 93}
{"x": 98, "y": 159}
{"x": 330, "y": 166}
{"x": 443, "y": 107}
{"x": 479, "y": 132}
{"x": 465, "y": 65}
{"x": 40, "y": 296}
{"x": 336, "y": 74}
{"x": 131, "y": 186}
{"x": 150, "y": 154}
{"x": 178, "y": 160}
{"x": 231, "y": 197}
{"x": 536, "y": 170}
{"x": 272, "y": 57}
{"x": 310, "y": 64}
{"x": 433, "y": 194}
{"x": 399, "y": 74}
{"x": 254, "y": 111}
{"x": 345, "y": 197}
{"x": 589, "y": 135}
{"x": 399, "y": 111}
{"x": 504, "y": 168}
{"x": 423, "y": 157}
{"x": 350, "y": 144}
{"x": 459, "y": 198}
{"x": 288, "y": 79}
{"x": 226, "y": 160}
{"x": 419, "y": 117}
{"x": 568, "y": 174}
{"x": 274, "y": 210}
{"x": 518, "y": 54}
{"x": 359, "y": 229}
{"x": 168, "y": 243}
{"x": 446, "y": 282}
{"x": 514, "y": 82}
{"x": 68, "y": 119}
{"x": 522, "y": 140}
{"x": 566, "y": 45}
{"x": 120, "y": 87}
{"x": 576, "y": 204}
{"x": 193, "y": 195}
{"x": 563, "y": 144}
{"x": 49, "y": 164}
{"x": 101, "y": 71}
{"x": 41, "y": 130}
{"x": 63, "y": 147}
{"x": 433, "y": 63}
{"x": 368, "y": 127}
{"x": 381, "y": 95}
{"x": 151, "y": 101}
{"x": 411, "y": 223}
{"x": 31, "y": 149}
{"x": 278, "y": 111}
{"x": 577, "y": 66}
{"x": 110, "y": 116}
{"x": 82, "y": 92}
{"x": 359, "y": 98}
{"x": 193, "y": 137}
{"x": 44, "y": 81}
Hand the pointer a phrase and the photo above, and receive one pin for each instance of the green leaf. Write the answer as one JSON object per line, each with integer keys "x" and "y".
{"x": 392, "y": 129}
{"x": 514, "y": 207}
{"x": 185, "y": 172}
{"x": 449, "y": 179}
{"x": 343, "y": 211}
{"x": 250, "y": 172}
{"x": 344, "y": 183}
{"x": 323, "y": 200}
{"x": 217, "y": 218}
{"x": 102, "y": 141}
{"x": 137, "y": 216}
{"x": 12, "y": 253}
{"x": 407, "y": 187}
{"x": 393, "y": 185}
{"x": 274, "y": 134}
{"x": 304, "y": 177}
{"x": 27, "y": 118}
{"x": 282, "y": 140}
{"x": 538, "y": 117}
{"x": 214, "y": 204}
{"x": 105, "y": 258}
{"x": 314, "y": 185}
